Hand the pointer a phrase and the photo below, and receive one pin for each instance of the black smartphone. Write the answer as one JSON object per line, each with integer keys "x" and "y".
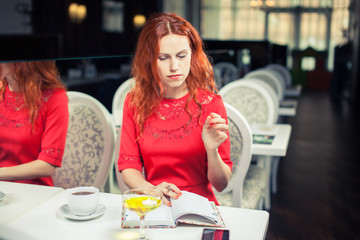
{"x": 215, "y": 234}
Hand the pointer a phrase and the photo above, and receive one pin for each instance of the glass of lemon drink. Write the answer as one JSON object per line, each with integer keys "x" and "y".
{"x": 141, "y": 201}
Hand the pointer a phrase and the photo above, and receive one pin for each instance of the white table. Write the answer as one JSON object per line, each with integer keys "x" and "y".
{"x": 270, "y": 154}
{"x": 279, "y": 145}
{"x": 44, "y": 222}
{"x": 293, "y": 91}
{"x": 21, "y": 197}
{"x": 288, "y": 108}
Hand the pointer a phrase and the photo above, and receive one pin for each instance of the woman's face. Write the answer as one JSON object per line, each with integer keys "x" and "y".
{"x": 173, "y": 64}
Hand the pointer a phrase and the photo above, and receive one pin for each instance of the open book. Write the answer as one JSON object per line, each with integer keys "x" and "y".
{"x": 190, "y": 208}
{"x": 263, "y": 139}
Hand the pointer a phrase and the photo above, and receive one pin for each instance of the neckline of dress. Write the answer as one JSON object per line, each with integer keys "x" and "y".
{"x": 177, "y": 99}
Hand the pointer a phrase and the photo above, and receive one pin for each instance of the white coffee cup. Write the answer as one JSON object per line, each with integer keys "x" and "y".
{"x": 83, "y": 200}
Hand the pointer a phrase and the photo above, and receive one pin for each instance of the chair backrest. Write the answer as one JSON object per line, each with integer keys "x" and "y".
{"x": 240, "y": 142}
{"x": 283, "y": 71}
{"x": 225, "y": 72}
{"x": 119, "y": 98}
{"x": 272, "y": 78}
{"x": 252, "y": 100}
{"x": 270, "y": 90}
{"x": 119, "y": 178}
{"x": 89, "y": 148}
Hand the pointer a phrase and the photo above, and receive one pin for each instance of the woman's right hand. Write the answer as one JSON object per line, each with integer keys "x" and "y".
{"x": 168, "y": 190}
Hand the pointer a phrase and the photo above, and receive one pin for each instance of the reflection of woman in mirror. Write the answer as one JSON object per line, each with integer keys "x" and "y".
{"x": 33, "y": 121}
{"x": 174, "y": 123}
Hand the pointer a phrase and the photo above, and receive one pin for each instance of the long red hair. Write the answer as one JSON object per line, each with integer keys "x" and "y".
{"x": 32, "y": 78}
{"x": 148, "y": 92}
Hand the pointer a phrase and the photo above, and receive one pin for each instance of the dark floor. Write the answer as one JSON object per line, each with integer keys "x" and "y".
{"x": 319, "y": 179}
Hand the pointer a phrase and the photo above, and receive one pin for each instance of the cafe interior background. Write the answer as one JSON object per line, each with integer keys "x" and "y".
{"x": 317, "y": 40}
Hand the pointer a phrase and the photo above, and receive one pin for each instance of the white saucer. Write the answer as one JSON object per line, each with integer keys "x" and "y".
{"x": 66, "y": 212}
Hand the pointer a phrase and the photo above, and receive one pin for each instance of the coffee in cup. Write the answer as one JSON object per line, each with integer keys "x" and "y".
{"x": 83, "y": 200}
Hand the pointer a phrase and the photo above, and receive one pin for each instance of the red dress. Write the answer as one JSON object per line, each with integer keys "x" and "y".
{"x": 20, "y": 143}
{"x": 171, "y": 148}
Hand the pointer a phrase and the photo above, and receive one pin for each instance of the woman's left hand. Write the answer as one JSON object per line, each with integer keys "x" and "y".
{"x": 214, "y": 131}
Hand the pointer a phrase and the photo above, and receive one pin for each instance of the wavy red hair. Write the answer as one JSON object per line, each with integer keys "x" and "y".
{"x": 148, "y": 92}
{"x": 32, "y": 78}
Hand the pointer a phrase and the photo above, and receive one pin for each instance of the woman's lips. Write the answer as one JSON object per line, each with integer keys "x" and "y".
{"x": 175, "y": 77}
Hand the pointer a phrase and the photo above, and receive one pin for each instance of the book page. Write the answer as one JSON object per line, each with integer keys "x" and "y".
{"x": 191, "y": 205}
{"x": 161, "y": 216}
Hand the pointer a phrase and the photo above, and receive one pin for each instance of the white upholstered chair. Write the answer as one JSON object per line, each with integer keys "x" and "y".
{"x": 256, "y": 104}
{"x": 271, "y": 77}
{"x": 271, "y": 91}
{"x": 119, "y": 98}
{"x": 225, "y": 72}
{"x": 240, "y": 192}
{"x": 119, "y": 179}
{"x": 290, "y": 91}
{"x": 275, "y": 159}
{"x": 283, "y": 71}
{"x": 89, "y": 148}
{"x": 252, "y": 100}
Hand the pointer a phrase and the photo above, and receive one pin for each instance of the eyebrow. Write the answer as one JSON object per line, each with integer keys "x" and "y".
{"x": 182, "y": 51}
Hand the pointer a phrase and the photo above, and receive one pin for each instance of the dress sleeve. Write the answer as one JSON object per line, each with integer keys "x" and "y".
{"x": 55, "y": 128}
{"x": 217, "y": 106}
{"x": 129, "y": 156}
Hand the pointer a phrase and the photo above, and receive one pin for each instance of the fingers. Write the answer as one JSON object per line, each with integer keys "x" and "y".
{"x": 215, "y": 131}
{"x": 166, "y": 201}
{"x": 217, "y": 122}
{"x": 175, "y": 189}
{"x": 222, "y": 136}
{"x": 168, "y": 190}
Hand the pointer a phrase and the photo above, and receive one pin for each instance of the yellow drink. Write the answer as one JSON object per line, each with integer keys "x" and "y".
{"x": 142, "y": 204}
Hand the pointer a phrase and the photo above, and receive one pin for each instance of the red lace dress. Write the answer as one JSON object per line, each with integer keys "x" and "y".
{"x": 20, "y": 143}
{"x": 170, "y": 149}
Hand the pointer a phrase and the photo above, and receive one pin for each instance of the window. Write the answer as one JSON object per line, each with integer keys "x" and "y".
{"x": 281, "y": 28}
{"x": 113, "y": 16}
{"x": 308, "y": 63}
{"x": 320, "y": 24}
{"x": 313, "y": 31}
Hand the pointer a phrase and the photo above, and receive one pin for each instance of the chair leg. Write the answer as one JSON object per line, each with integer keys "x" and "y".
{"x": 267, "y": 190}
{"x": 260, "y": 205}
{"x": 274, "y": 172}
{"x": 267, "y": 202}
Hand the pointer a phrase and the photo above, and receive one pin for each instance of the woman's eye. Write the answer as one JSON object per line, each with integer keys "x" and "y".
{"x": 162, "y": 58}
{"x": 182, "y": 55}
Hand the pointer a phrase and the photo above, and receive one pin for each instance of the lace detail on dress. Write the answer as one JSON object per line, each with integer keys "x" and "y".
{"x": 15, "y": 102}
{"x": 126, "y": 158}
{"x": 172, "y": 134}
{"x": 53, "y": 153}
{"x": 47, "y": 93}
{"x": 10, "y": 123}
{"x": 206, "y": 100}
{"x": 170, "y": 110}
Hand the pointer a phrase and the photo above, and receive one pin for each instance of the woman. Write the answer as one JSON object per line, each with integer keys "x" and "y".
{"x": 174, "y": 125}
{"x": 33, "y": 121}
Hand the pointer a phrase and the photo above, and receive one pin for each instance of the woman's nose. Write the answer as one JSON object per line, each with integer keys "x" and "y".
{"x": 174, "y": 65}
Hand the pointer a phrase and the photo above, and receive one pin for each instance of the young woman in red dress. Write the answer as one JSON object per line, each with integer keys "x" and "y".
{"x": 33, "y": 121}
{"x": 174, "y": 122}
